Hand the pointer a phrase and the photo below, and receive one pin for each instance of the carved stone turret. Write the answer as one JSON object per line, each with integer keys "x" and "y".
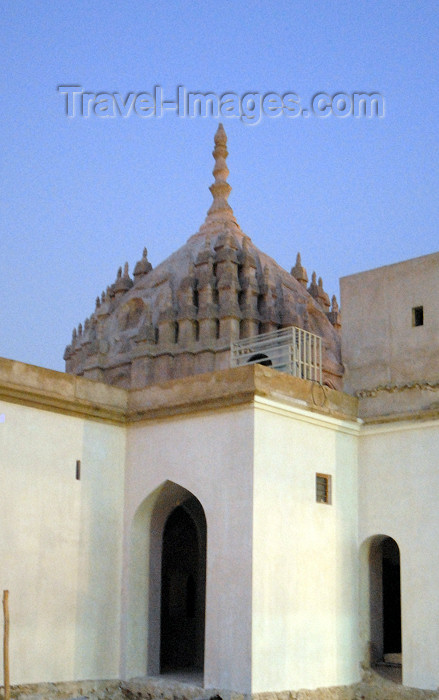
{"x": 142, "y": 267}
{"x": 104, "y": 307}
{"x": 299, "y": 272}
{"x": 187, "y": 308}
{"x": 269, "y": 313}
{"x": 334, "y": 315}
{"x": 249, "y": 292}
{"x": 207, "y": 295}
{"x": 226, "y": 249}
{"x": 322, "y": 297}
{"x": 123, "y": 282}
{"x": 181, "y": 317}
{"x": 313, "y": 288}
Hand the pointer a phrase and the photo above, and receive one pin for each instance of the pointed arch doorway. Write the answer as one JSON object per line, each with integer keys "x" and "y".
{"x": 183, "y": 588}
{"x": 167, "y": 562}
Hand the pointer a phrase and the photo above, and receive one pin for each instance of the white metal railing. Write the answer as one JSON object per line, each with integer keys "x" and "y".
{"x": 292, "y": 350}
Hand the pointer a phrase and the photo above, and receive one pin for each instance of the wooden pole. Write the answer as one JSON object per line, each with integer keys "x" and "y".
{"x": 6, "y": 644}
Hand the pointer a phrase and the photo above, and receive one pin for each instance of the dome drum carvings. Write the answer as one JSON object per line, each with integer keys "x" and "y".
{"x": 180, "y": 318}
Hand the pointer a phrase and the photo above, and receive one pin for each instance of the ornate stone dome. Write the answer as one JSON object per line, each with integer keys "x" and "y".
{"x": 180, "y": 318}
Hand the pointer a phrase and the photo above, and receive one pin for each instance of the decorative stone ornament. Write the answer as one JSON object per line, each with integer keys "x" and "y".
{"x": 181, "y": 317}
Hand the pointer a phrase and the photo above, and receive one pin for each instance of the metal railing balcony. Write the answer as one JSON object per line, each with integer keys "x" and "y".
{"x": 291, "y": 350}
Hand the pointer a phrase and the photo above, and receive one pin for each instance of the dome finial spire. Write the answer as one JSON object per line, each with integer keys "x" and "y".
{"x": 220, "y": 216}
{"x": 220, "y": 189}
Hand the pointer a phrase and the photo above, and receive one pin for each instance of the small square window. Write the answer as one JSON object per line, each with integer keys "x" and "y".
{"x": 418, "y": 316}
{"x": 323, "y": 488}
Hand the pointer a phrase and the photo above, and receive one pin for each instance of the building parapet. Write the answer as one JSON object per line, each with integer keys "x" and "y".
{"x": 73, "y": 395}
{"x": 65, "y": 393}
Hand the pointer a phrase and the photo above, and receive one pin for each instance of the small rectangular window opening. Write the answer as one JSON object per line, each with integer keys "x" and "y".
{"x": 323, "y": 488}
{"x": 418, "y": 316}
{"x": 78, "y": 469}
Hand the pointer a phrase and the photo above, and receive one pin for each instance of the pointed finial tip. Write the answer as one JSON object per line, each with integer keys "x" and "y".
{"x": 220, "y": 135}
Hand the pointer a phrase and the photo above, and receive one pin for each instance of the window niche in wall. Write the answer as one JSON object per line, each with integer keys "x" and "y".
{"x": 323, "y": 488}
{"x": 417, "y": 316}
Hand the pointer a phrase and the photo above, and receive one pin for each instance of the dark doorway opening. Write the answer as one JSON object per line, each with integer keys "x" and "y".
{"x": 391, "y": 597}
{"x": 260, "y": 359}
{"x": 385, "y": 606}
{"x": 183, "y": 588}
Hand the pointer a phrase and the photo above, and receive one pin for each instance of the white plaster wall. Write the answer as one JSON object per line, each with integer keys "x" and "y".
{"x": 209, "y": 455}
{"x": 61, "y": 544}
{"x": 399, "y": 487}
{"x": 305, "y": 585}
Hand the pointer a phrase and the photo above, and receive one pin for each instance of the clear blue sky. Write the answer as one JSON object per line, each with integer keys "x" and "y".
{"x": 79, "y": 197}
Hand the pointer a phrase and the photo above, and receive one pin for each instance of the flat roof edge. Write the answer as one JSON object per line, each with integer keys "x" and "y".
{"x": 418, "y": 260}
{"x": 73, "y": 395}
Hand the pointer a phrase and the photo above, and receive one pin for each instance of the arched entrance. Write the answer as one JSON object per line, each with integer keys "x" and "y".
{"x": 260, "y": 359}
{"x": 183, "y": 585}
{"x": 385, "y": 600}
{"x": 167, "y": 516}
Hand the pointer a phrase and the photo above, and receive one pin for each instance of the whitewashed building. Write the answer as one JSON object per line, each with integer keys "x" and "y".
{"x": 264, "y": 530}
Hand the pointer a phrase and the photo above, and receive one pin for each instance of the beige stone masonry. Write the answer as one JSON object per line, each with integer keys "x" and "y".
{"x": 158, "y": 688}
{"x": 375, "y": 687}
{"x": 372, "y": 687}
{"x": 92, "y": 690}
{"x": 233, "y": 387}
{"x": 180, "y": 318}
{"x": 390, "y": 403}
{"x": 50, "y": 390}
{"x": 164, "y": 689}
{"x": 56, "y": 391}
